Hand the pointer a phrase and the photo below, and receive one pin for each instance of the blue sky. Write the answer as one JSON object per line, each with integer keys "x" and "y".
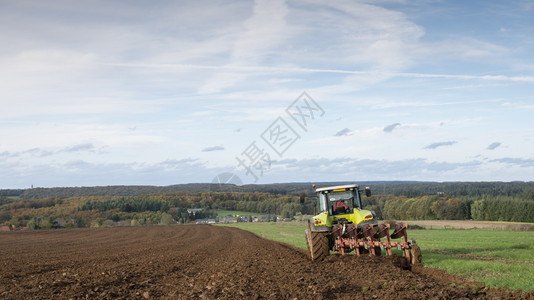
{"x": 168, "y": 92}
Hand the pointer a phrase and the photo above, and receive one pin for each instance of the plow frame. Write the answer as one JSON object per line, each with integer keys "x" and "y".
{"x": 369, "y": 237}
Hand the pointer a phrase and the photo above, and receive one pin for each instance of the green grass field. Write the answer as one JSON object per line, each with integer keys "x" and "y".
{"x": 496, "y": 257}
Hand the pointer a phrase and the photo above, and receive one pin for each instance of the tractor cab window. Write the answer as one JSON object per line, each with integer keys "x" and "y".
{"x": 323, "y": 202}
{"x": 341, "y": 202}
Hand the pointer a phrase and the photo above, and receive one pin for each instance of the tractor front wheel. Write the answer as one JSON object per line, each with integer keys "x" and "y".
{"x": 317, "y": 244}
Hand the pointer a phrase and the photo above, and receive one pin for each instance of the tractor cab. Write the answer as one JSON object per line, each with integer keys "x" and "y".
{"x": 339, "y": 200}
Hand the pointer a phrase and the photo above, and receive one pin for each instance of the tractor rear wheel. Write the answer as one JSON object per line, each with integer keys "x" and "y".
{"x": 317, "y": 244}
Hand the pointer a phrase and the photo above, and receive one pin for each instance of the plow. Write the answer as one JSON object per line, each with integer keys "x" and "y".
{"x": 343, "y": 226}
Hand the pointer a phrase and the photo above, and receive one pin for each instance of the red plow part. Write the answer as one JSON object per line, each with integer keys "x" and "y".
{"x": 368, "y": 237}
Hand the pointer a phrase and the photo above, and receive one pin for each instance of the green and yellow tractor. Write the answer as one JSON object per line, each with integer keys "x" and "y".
{"x": 343, "y": 226}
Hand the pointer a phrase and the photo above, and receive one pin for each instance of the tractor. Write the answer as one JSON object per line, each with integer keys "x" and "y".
{"x": 343, "y": 226}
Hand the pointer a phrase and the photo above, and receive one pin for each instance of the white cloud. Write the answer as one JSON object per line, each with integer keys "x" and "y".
{"x": 35, "y": 62}
{"x": 342, "y": 169}
{"x": 343, "y": 132}
{"x": 123, "y": 83}
{"x": 440, "y": 144}
{"x": 527, "y": 79}
{"x": 464, "y": 48}
{"x": 493, "y": 146}
{"x": 213, "y": 148}
{"x": 522, "y": 162}
{"x": 84, "y": 173}
{"x": 391, "y": 127}
{"x": 54, "y": 136}
{"x": 263, "y": 31}
{"x": 34, "y": 76}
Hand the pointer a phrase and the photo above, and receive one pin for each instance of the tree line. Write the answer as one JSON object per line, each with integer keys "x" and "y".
{"x": 442, "y": 207}
{"x": 94, "y": 211}
{"x": 514, "y": 203}
{"x": 396, "y": 188}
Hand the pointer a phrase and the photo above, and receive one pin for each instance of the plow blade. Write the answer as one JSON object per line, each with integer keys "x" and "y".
{"x": 368, "y": 239}
{"x": 381, "y": 231}
{"x": 400, "y": 231}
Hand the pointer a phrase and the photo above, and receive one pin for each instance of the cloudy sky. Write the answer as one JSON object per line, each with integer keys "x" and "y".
{"x": 167, "y": 92}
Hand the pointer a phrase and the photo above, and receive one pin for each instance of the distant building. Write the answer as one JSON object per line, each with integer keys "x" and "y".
{"x": 269, "y": 218}
{"x": 228, "y": 220}
{"x": 205, "y": 221}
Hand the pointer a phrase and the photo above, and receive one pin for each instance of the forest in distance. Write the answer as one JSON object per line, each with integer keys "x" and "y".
{"x": 71, "y": 207}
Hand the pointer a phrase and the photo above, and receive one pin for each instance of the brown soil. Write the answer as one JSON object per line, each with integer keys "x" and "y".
{"x": 209, "y": 262}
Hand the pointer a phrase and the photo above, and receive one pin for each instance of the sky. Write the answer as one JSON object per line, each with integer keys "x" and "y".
{"x": 97, "y": 93}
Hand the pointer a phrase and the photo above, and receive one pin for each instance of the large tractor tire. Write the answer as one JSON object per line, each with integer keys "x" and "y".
{"x": 317, "y": 244}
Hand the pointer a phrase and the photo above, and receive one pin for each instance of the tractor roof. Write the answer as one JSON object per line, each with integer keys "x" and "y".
{"x": 331, "y": 188}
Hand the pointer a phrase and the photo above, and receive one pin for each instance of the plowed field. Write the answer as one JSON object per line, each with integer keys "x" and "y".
{"x": 207, "y": 262}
